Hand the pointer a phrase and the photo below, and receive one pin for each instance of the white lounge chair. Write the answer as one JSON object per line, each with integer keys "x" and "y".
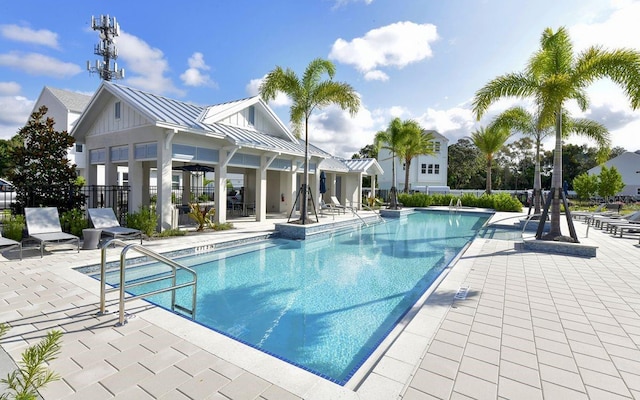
{"x": 43, "y": 226}
{"x": 105, "y": 219}
{"x": 8, "y": 244}
{"x": 330, "y": 208}
{"x": 336, "y": 203}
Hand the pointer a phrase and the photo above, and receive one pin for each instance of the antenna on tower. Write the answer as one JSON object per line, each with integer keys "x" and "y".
{"x": 109, "y": 29}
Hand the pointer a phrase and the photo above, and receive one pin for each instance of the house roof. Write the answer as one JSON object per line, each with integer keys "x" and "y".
{"x": 72, "y": 101}
{"x": 188, "y": 117}
{"x": 193, "y": 118}
{"x": 437, "y": 135}
{"x": 367, "y": 166}
{"x": 334, "y": 165}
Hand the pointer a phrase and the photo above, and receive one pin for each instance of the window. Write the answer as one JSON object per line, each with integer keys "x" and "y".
{"x": 436, "y": 168}
{"x": 252, "y": 115}
{"x": 430, "y": 169}
{"x": 117, "y": 110}
{"x": 436, "y": 146}
{"x": 423, "y": 168}
{"x": 78, "y": 148}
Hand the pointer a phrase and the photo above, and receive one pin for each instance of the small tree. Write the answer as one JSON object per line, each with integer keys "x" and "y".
{"x": 33, "y": 372}
{"x": 585, "y": 185}
{"x": 609, "y": 182}
{"x": 42, "y": 173}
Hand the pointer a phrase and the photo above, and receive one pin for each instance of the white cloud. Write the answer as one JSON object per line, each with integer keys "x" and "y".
{"x": 396, "y": 45}
{"x": 253, "y": 89}
{"x": 455, "y": 123}
{"x": 39, "y": 64}
{"x": 146, "y": 66}
{"x": 9, "y": 88}
{"x": 195, "y": 76}
{"x": 337, "y": 132}
{"x": 14, "y": 113}
{"x": 398, "y": 111}
{"x": 376, "y": 75}
{"x": 23, "y": 34}
{"x": 619, "y": 29}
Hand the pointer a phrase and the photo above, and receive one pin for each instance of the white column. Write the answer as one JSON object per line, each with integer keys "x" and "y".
{"x": 165, "y": 207}
{"x": 136, "y": 184}
{"x": 221, "y": 188}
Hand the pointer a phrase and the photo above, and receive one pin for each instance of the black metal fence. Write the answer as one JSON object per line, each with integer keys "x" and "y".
{"x": 93, "y": 196}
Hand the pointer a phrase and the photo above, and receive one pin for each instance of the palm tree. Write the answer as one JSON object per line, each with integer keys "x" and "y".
{"x": 308, "y": 94}
{"x": 521, "y": 120}
{"x": 555, "y": 75}
{"x": 416, "y": 142}
{"x": 393, "y": 139}
{"x": 490, "y": 141}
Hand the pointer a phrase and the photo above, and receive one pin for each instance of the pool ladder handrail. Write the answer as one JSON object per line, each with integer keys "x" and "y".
{"x": 455, "y": 207}
{"x": 376, "y": 213}
{"x": 123, "y": 286}
{"x": 354, "y": 212}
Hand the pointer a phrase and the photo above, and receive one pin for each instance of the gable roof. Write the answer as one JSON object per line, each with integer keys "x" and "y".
{"x": 367, "y": 166}
{"x": 191, "y": 118}
{"x": 72, "y": 101}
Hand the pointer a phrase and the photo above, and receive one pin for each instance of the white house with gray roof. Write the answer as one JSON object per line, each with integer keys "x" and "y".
{"x": 65, "y": 107}
{"x": 123, "y": 126}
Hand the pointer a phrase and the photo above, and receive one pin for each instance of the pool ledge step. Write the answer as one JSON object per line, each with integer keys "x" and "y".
{"x": 549, "y": 246}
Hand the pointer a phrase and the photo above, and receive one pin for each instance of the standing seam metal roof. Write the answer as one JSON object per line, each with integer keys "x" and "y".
{"x": 188, "y": 115}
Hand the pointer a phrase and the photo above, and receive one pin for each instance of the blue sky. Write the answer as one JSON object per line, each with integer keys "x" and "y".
{"x": 406, "y": 58}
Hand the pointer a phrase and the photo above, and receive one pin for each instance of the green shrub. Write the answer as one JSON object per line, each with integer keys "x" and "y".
{"x": 145, "y": 220}
{"x": 13, "y": 227}
{"x": 172, "y": 232}
{"x": 506, "y": 202}
{"x": 74, "y": 221}
{"x": 498, "y": 202}
{"x": 222, "y": 227}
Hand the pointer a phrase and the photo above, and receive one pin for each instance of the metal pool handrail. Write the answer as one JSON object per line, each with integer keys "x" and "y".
{"x": 122, "y": 286}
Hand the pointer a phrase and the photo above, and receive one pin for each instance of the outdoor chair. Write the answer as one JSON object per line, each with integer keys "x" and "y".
{"x": 8, "y": 244}
{"x": 588, "y": 214}
{"x": 43, "y": 226}
{"x": 622, "y": 219}
{"x": 105, "y": 220}
{"x": 336, "y": 203}
{"x": 330, "y": 208}
{"x": 629, "y": 223}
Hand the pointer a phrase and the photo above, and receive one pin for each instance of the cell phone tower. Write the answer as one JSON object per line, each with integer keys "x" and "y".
{"x": 109, "y": 29}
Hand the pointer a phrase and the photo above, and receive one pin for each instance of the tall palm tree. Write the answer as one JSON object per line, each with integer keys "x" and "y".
{"x": 555, "y": 75}
{"x": 520, "y": 120}
{"x": 308, "y": 94}
{"x": 416, "y": 142}
{"x": 490, "y": 141}
{"x": 391, "y": 139}
{"x": 394, "y": 139}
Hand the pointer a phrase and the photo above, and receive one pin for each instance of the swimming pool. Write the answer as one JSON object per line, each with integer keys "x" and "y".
{"x": 325, "y": 304}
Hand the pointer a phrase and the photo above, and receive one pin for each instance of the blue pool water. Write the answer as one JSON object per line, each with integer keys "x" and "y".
{"x": 325, "y": 304}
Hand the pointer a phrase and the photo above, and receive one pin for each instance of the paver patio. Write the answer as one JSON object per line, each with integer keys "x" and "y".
{"x": 532, "y": 325}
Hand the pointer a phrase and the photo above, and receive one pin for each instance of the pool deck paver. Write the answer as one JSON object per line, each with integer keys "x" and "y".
{"x": 532, "y": 326}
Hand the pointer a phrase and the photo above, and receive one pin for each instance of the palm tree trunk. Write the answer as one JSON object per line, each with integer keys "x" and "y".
{"x": 394, "y": 191}
{"x": 305, "y": 185}
{"x": 488, "y": 190}
{"x": 556, "y": 185}
{"x": 537, "y": 180}
{"x": 407, "y": 165}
